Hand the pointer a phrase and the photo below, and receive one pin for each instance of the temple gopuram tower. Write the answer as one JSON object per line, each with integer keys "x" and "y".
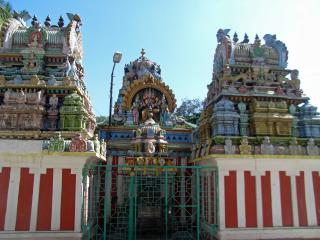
{"x": 46, "y": 121}
{"x": 262, "y": 134}
{"x": 144, "y": 92}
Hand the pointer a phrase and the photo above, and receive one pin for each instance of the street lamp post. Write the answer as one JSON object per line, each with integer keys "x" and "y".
{"x": 116, "y": 59}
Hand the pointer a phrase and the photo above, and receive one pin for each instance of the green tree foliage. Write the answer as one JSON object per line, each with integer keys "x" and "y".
{"x": 190, "y": 109}
{"x": 102, "y": 120}
{"x": 5, "y": 11}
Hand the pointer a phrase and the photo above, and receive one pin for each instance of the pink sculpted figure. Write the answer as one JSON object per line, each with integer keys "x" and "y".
{"x": 135, "y": 110}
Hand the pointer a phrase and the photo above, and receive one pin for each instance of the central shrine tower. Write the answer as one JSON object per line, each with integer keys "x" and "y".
{"x": 146, "y": 103}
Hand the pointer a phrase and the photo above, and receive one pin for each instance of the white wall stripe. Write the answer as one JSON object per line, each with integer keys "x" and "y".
{"x": 241, "y": 200}
{"x": 310, "y": 200}
{"x": 35, "y": 199}
{"x": 78, "y": 200}
{"x": 56, "y": 199}
{"x": 12, "y": 201}
{"x": 276, "y": 199}
{"x": 222, "y": 222}
{"x": 294, "y": 198}
{"x": 259, "y": 201}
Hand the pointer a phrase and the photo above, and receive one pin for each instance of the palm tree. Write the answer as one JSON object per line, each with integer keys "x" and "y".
{"x": 5, "y": 11}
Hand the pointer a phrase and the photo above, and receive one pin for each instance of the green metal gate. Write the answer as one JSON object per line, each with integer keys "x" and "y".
{"x": 135, "y": 202}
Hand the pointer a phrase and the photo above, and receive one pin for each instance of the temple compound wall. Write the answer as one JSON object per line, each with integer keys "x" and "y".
{"x": 46, "y": 121}
{"x": 261, "y": 132}
{"x": 41, "y": 189}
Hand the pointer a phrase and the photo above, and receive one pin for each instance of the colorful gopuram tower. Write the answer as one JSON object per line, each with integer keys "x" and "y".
{"x": 144, "y": 92}
{"x": 261, "y": 133}
{"x": 46, "y": 121}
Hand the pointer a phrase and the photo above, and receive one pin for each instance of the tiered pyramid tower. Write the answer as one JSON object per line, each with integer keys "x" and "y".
{"x": 262, "y": 135}
{"x": 46, "y": 120}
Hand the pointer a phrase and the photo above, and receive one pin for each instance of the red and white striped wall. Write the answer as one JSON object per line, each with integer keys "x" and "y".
{"x": 40, "y": 192}
{"x": 272, "y": 199}
{"x": 40, "y": 200}
{"x": 268, "y": 198}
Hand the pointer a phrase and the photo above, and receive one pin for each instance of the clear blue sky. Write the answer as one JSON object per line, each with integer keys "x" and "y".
{"x": 180, "y": 36}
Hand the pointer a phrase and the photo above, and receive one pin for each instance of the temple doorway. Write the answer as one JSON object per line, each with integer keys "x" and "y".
{"x": 140, "y": 203}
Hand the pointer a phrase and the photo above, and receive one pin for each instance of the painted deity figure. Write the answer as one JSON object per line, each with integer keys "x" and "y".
{"x": 135, "y": 110}
{"x": 295, "y": 82}
{"x": 96, "y": 143}
{"x": 103, "y": 148}
{"x": 35, "y": 39}
{"x": 52, "y": 80}
{"x": 164, "y": 114}
{"x": 78, "y": 144}
{"x": 73, "y": 70}
{"x": 312, "y": 148}
{"x": 266, "y": 146}
{"x": 56, "y": 143}
{"x": 244, "y": 147}
{"x": 53, "y": 101}
{"x": 228, "y": 147}
{"x": 294, "y": 147}
{"x": 21, "y": 97}
{"x": 150, "y": 147}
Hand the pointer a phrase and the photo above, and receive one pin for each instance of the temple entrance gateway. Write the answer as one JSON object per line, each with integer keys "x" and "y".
{"x": 149, "y": 202}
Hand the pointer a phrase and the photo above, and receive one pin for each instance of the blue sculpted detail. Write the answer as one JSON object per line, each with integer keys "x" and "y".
{"x": 225, "y": 119}
{"x": 308, "y": 121}
{"x": 271, "y": 40}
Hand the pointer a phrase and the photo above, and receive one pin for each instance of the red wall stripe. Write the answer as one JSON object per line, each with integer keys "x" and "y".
{"x": 68, "y": 196}
{"x": 4, "y": 187}
{"x": 45, "y": 201}
{"x": 316, "y": 189}
{"x": 24, "y": 200}
{"x": 250, "y": 199}
{"x": 266, "y": 200}
{"x": 230, "y": 193}
{"x": 286, "y": 200}
{"x": 301, "y": 200}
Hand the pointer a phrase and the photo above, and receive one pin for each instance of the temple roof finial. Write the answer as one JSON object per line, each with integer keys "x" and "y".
{"x": 246, "y": 38}
{"x": 142, "y": 52}
{"x": 235, "y": 37}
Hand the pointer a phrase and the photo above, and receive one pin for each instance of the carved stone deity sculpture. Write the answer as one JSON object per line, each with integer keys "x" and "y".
{"x": 312, "y": 148}
{"x": 244, "y": 147}
{"x": 103, "y": 148}
{"x": 228, "y": 147}
{"x": 135, "y": 110}
{"x": 53, "y": 101}
{"x": 96, "y": 143}
{"x": 294, "y": 147}
{"x": 150, "y": 148}
{"x": 78, "y": 144}
{"x": 295, "y": 81}
{"x": 56, "y": 143}
{"x": 267, "y": 147}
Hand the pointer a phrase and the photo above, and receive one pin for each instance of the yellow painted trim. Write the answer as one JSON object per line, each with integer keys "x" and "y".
{"x": 253, "y": 157}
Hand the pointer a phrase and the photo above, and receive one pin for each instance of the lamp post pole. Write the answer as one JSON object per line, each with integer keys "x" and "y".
{"x": 116, "y": 59}
{"x": 111, "y": 89}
